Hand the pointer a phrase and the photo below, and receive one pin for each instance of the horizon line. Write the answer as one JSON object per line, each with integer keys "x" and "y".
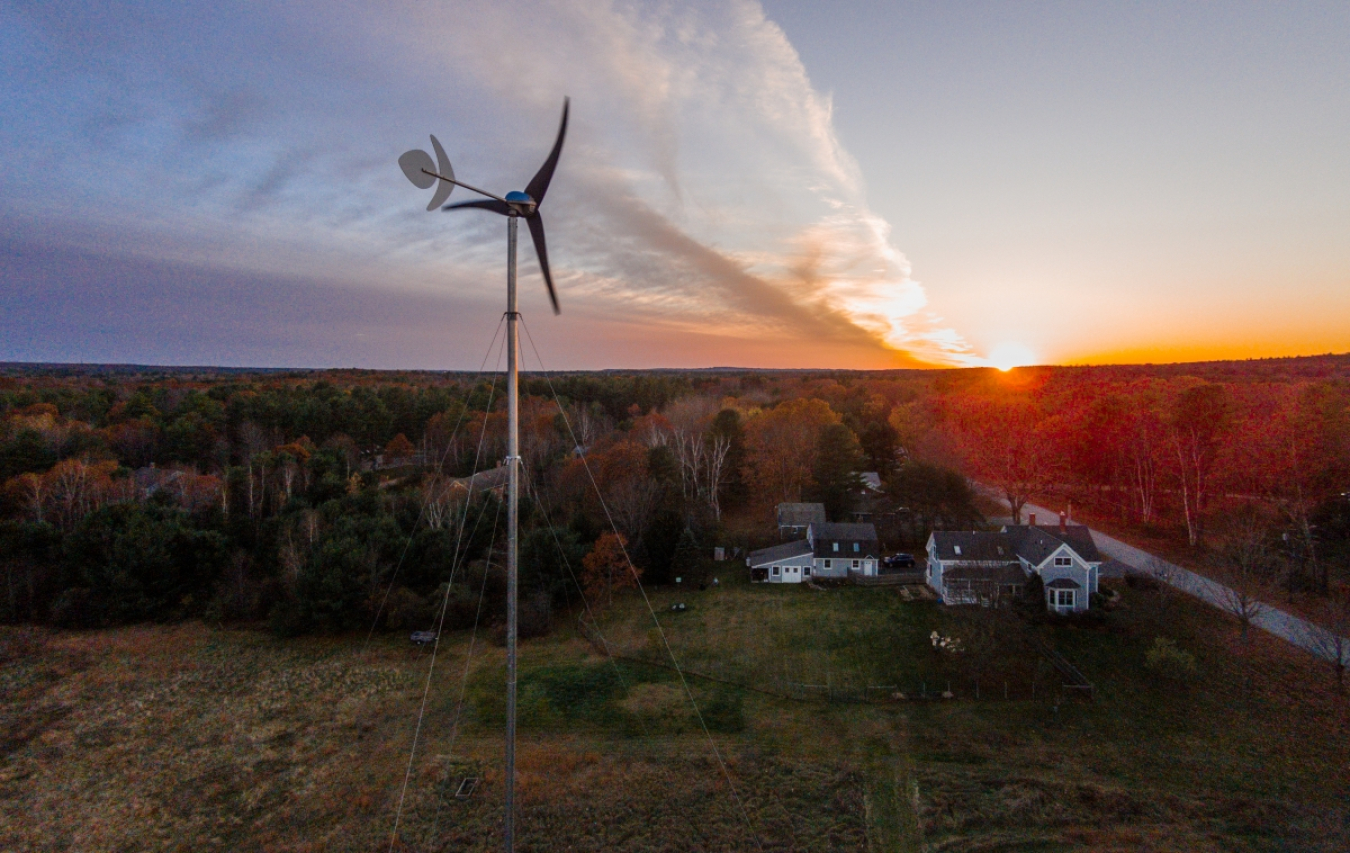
{"x": 137, "y": 366}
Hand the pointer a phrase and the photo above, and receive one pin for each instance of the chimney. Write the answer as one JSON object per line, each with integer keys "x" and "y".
{"x": 1031, "y": 519}
{"x": 1063, "y": 522}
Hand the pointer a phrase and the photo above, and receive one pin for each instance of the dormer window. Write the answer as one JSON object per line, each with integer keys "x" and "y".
{"x": 834, "y": 546}
{"x": 855, "y": 547}
{"x": 957, "y": 549}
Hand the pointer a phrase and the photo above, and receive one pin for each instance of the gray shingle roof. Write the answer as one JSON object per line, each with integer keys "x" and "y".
{"x": 823, "y": 536}
{"x": 840, "y": 530}
{"x": 1034, "y": 544}
{"x": 492, "y": 478}
{"x": 786, "y": 551}
{"x": 975, "y": 546}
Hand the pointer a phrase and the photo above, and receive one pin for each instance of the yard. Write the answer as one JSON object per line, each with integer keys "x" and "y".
{"x": 196, "y": 738}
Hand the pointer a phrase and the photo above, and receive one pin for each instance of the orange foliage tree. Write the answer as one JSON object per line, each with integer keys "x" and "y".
{"x": 781, "y": 447}
{"x": 606, "y": 569}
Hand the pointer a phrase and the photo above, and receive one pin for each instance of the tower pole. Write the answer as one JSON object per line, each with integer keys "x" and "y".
{"x": 512, "y": 525}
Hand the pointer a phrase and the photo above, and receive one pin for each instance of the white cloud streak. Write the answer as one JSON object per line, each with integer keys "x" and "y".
{"x": 702, "y": 185}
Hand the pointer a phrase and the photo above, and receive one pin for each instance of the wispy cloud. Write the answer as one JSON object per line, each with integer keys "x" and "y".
{"x": 703, "y": 185}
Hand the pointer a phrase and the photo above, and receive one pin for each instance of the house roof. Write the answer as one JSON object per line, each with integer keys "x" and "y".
{"x": 1063, "y": 583}
{"x": 975, "y": 546}
{"x": 838, "y": 530}
{"x": 492, "y": 478}
{"x": 1035, "y": 544}
{"x": 871, "y": 479}
{"x": 786, "y": 551}
{"x": 1006, "y": 573}
{"x": 800, "y": 515}
{"x": 823, "y": 535}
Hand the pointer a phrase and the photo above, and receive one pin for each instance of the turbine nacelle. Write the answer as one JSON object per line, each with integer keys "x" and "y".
{"x": 521, "y": 203}
{"x": 417, "y": 165}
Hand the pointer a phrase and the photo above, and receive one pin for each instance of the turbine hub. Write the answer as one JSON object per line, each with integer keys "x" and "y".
{"x": 521, "y": 202}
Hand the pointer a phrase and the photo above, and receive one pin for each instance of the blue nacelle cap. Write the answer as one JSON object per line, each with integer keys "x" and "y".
{"x": 518, "y": 197}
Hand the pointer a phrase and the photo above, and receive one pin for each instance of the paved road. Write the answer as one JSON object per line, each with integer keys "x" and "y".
{"x": 1300, "y": 632}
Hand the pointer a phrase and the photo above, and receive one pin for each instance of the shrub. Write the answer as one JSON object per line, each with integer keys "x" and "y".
{"x": 1167, "y": 661}
{"x": 406, "y": 610}
{"x": 1142, "y": 582}
{"x": 1032, "y": 600}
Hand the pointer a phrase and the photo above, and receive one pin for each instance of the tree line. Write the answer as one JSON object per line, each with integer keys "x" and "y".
{"x": 336, "y": 500}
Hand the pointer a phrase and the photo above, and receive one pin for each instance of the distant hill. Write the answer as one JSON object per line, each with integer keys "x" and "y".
{"x": 1329, "y": 366}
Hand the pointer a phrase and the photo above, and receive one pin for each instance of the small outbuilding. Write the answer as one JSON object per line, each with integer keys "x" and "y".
{"x": 793, "y": 519}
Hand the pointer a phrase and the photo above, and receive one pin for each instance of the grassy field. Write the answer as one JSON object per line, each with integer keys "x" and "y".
{"x": 195, "y": 738}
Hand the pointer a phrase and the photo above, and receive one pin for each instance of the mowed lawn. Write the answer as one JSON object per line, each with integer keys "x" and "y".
{"x": 197, "y": 738}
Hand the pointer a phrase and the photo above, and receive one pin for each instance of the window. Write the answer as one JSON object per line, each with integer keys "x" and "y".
{"x": 1061, "y": 599}
{"x": 835, "y": 546}
{"x": 827, "y": 564}
{"x": 957, "y": 548}
{"x": 855, "y": 547}
{"x": 1064, "y": 561}
{"x": 806, "y": 571}
{"x": 855, "y": 564}
{"x": 775, "y": 571}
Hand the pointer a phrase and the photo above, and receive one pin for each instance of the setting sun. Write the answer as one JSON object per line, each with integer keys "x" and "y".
{"x": 1007, "y": 356}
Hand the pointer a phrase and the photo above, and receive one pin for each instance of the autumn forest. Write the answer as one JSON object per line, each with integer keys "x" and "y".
{"x": 317, "y": 501}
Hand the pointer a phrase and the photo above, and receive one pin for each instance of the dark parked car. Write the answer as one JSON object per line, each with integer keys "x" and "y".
{"x": 899, "y": 561}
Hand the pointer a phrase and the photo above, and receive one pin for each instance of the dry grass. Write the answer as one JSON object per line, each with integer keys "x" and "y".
{"x": 160, "y": 737}
{"x": 185, "y": 738}
{"x": 167, "y": 738}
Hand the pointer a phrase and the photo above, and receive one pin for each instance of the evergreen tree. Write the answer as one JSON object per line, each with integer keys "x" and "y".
{"x": 838, "y": 460}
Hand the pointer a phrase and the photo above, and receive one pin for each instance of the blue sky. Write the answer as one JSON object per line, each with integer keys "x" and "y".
{"x": 786, "y": 184}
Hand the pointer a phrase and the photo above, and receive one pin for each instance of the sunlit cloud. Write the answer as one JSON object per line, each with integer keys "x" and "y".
{"x": 702, "y": 188}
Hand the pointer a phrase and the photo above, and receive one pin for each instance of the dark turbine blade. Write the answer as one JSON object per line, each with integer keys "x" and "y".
{"x": 539, "y": 183}
{"x": 537, "y": 232}
{"x": 485, "y": 204}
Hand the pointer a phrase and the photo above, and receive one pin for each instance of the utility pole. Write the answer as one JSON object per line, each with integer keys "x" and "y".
{"x": 512, "y": 525}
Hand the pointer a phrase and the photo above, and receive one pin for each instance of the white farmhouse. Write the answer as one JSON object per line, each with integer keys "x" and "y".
{"x": 828, "y": 551}
{"x": 986, "y": 568}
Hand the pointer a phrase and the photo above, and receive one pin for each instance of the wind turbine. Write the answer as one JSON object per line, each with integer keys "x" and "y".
{"x": 423, "y": 173}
